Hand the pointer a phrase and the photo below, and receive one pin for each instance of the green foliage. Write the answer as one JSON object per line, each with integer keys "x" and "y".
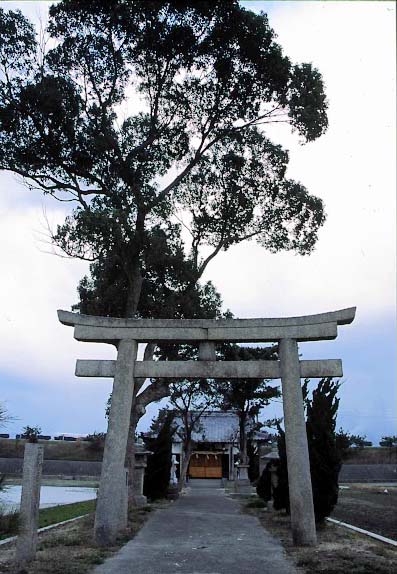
{"x": 391, "y": 443}
{"x": 163, "y": 417}
{"x": 108, "y": 405}
{"x": 256, "y": 503}
{"x": 246, "y": 396}
{"x": 31, "y": 433}
{"x": 345, "y": 441}
{"x": 325, "y": 460}
{"x": 281, "y": 492}
{"x": 264, "y": 485}
{"x": 63, "y": 512}
{"x": 359, "y": 441}
{"x": 158, "y": 470}
{"x": 209, "y": 77}
{"x": 388, "y": 441}
{"x": 325, "y": 457}
{"x": 190, "y": 399}
{"x": 9, "y": 523}
{"x": 167, "y": 289}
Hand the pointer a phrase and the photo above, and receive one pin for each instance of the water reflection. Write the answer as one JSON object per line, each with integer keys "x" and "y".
{"x": 49, "y": 495}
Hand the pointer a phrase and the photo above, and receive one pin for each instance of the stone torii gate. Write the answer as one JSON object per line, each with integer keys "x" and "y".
{"x": 127, "y": 333}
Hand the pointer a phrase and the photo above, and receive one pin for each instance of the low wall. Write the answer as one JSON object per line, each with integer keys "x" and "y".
{"x": 349, "y": 472}
{"x": 13, "y": 467}
{"x": 368, "y": 473}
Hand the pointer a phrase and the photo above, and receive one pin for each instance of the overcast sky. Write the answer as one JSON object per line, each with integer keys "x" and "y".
{"x": 351, "y": 167}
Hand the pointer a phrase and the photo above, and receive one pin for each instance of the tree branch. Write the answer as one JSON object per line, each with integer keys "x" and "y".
{"x": 154, "y": 392}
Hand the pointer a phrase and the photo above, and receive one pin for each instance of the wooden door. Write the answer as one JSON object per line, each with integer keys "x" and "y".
{"x": 205, "y": 465}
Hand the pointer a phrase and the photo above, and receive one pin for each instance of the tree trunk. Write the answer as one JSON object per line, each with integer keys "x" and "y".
{"x": 243, "y": 439}
{"x": 130, "y": 453}
{"x": 135, "y": 281}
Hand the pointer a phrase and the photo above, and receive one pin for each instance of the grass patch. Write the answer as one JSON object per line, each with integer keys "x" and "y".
{"x": 8, "y": 524}
{"x": 47, "y": 516}
{"x": 63, "y": 512}
{"x": 70, "y": 549}
{"x": 256, "y": 503}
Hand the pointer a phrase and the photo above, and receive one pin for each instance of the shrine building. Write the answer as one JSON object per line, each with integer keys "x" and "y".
{"x": 216, "y": 445}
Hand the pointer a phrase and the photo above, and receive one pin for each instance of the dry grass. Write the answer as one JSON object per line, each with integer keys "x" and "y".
{"x": 372, "y": 455}
{"x": 339, "y": 550}
{"x": 70, "y": 549}
{"x": 53, "y": 450}
{"x": 368, "y": 506}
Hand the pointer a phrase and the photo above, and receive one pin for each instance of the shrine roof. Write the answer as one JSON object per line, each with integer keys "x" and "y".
{"x": 215, "y": 427}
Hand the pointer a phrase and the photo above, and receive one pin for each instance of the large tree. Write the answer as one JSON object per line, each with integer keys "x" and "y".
{"x": 145, "y": 111}
{"x": 163, "y": 293}
{"x": 153, "y": 115}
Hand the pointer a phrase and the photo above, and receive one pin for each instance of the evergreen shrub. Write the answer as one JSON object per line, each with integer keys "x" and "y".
{"x": 158, "y": 470}
{"x": 325, "y": 456}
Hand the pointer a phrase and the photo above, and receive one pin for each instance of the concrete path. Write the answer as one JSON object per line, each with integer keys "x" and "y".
{"x": 203, "y": 532}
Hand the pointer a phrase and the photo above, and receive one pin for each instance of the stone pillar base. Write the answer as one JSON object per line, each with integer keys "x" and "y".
{"x": 139, "y": 500}
{"x": 173, "y": 492}
{"x": 242, "y": 472}
{"x": 243, "y": 486}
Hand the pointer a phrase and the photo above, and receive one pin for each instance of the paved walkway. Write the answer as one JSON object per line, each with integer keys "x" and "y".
{"x": 203, "y": 532}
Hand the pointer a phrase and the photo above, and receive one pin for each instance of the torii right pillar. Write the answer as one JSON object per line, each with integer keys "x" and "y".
{"x": 299, "y": 480}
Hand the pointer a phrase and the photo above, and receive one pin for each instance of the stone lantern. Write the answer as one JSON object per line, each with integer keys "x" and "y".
{"x": 139, "y": 473}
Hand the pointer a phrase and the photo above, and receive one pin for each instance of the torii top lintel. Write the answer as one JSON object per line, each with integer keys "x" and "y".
{"x": 305, "y": 328}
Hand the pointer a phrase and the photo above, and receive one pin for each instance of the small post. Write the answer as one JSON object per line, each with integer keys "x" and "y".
{"x": 242, "y": 484}
{"x": 111, "y": 499}
{"x": 207, "y": 351}
{"x": 231, "y": 463}
{"x": 299, "y": 478}
{"x": 30, "y": 502}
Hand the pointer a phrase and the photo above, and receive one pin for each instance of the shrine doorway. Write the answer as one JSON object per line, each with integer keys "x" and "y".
{"x": 205, "y": 464}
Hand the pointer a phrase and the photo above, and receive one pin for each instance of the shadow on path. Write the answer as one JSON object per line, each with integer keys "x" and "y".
{"x": 203, "y": 532}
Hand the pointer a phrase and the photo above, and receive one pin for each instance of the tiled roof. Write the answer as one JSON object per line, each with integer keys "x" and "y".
{"x": 261, "y": 435}
{"x": 215, "y": 427}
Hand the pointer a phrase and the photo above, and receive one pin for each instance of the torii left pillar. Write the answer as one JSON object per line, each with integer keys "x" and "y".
{"x": 109, "y": 511}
